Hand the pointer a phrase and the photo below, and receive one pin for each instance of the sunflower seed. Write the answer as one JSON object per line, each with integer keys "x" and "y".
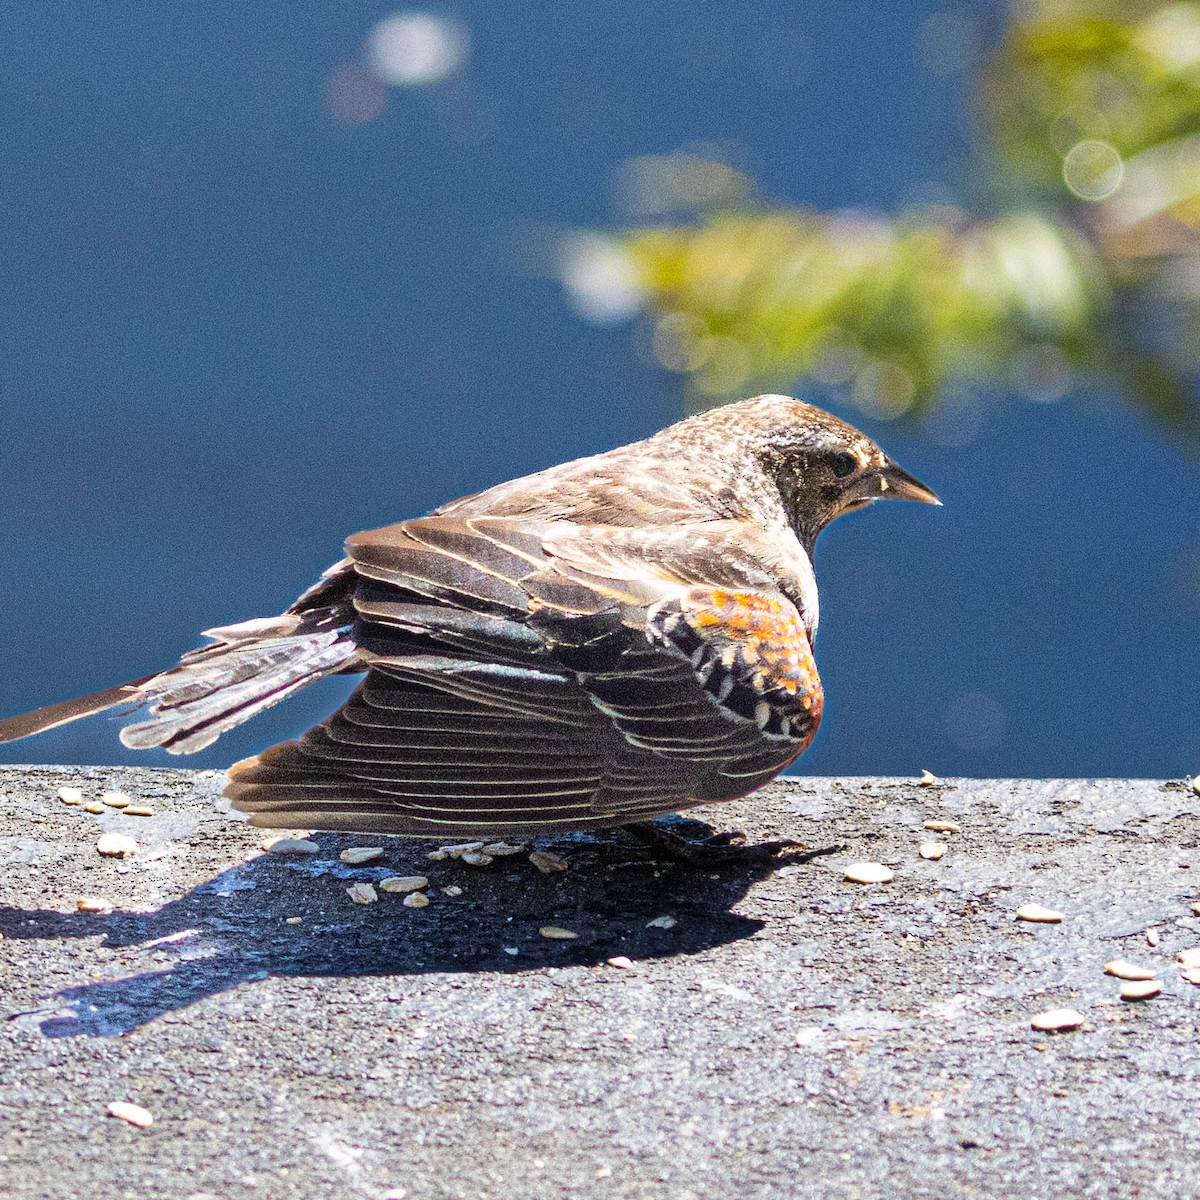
{"x": 1191, "y": 975}
{"x": 416, "y": 900}
{"x": 1057, "y": 1020}
{"x": 556, "y": 933}
{"x": 1039, "y": 914}
{"x": 357, "y": 855}
{"x": 362, "y": 893}
{"x": 502, "y": 849}
{"x": 93, "y": 806}
{"x": 1127, "y": 970}
{"x": 942, "y": 827}
{"x": 403, "y": 883}
{"x": 868, "y": 872}
{"x": 116, "y": 845}
{"x": 932, "y": 850}
{"x": 115, "y": 800}
{"x": 139, "y": 810}
{"x": 1151, "y": 937}
{"x": 70, "y": 795}
{"x": 927, "y": 778}
{"x": 135, "y": 1114}
{"x": 1141, "y": 989}
{"x": 621, "y": 962}
{"x": 475, "y": 858}
{"x": 1190, "y": 958}
{"x": 93, "y": 904}
{"x": 290, "y": 846}
{"x": 547, "y": 862}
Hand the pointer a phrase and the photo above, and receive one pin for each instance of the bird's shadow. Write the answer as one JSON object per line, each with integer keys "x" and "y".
{"x": 233, "y": 929}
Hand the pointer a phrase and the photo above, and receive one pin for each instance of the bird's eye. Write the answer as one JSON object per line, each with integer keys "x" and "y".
{"x": 843, "y": 464}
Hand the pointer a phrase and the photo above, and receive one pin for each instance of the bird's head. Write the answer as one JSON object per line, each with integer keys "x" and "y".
{"x": 822, "y": 466}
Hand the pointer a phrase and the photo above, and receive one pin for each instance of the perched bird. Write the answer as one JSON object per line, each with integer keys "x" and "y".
{"x": 598, "y": 644}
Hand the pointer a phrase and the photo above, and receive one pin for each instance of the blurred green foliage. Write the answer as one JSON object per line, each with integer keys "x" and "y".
{"x": 1081, "y": 262}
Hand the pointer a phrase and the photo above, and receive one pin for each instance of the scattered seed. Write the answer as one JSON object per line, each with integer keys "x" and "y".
{"x": 290, "y": 846}
{"x": 927, "y": 778}
{"x": 437, "y": 856}
{"x": 135, "y": 1114}
{"x": 93, "y": 904}
{"x": 1192, "y": 975}
{"x": 621, "y": 962}
{"x": 806, "y": 1037}
{"x": 416, "y": 900}
{"x": 475, "y": 858}
{"x": 293, "y": 920}
{"x": 502, "y": 849}
{"x": 1039, "y": 914}
{"x": 463, "y": 848}
{"x": 1057, "y": 1020}
{"x": 115, "y": 800}
{"x": 70, "y": 795}
{"x": 1127, "y": 970}
{"x": 1141, "y": 989}
{"x": 556, "y": 933}
{"x": 942, "y": 827}
{"x": 663, "y": 922}
{"x": 453, "y": 890}
{"x": 1190, "y": 958}
{"x": 513, "y": 950}
{"x": 1152, "y": 937}
{"x": 139, "y": 810}
{"x": 403, "y": 883}
{"x": 357, "y": 855}
{"x": 1196, "y": 784}
{"x": 547, "y": 862}
{"x": 93, "y": 806}
{"x": 1196, "y": 907}
{"x": 932, "y": 850}
{"x": 362, "y": 893}
{"x": 116, "y": 845}
{"x": 868, "y": 872}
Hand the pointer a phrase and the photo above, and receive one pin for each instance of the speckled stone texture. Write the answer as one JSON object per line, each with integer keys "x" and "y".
{"x": 377, "y": 1050}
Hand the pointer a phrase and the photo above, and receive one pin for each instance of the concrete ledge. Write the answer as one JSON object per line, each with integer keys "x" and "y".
{"x": 373, "y": 1049}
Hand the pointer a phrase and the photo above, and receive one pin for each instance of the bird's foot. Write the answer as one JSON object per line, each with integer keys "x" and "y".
{"x": 721, "y": 848}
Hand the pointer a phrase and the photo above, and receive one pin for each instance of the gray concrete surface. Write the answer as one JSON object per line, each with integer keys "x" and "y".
{"x": 378, "y": 1051}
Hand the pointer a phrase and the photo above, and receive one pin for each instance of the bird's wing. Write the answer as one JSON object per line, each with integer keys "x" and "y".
{"x": 527, "y": 678}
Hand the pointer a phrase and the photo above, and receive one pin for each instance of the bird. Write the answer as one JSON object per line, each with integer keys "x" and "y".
{"x": 603, "y": 643}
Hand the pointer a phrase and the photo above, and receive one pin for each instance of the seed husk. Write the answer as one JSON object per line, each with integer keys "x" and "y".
{"x": 666, "y": 921}
{"x": 93, "y": 904}
{"x": 556, "y": 933}
{"x": 1056, "y": 1020}
{"x": 476, "y": 858}
{"x": 941, "y": 827}
{"x": 115, "y": 800}
{"x": 290, "y": 846}
{"x": 548, "y": 862}
{"x": 1039, "y": 914}
{"x": 403, "y": 883}
{"x": 134, "y": 1114}
{"x": 355, "y": 856}
{"x": 362, "y": 893}
{"x": 416, "y": 900}
{"x": 463, "y": 848}
{"x": 927, "y": 778}
{"x": 116, "y": 845}
{"x": 71, "y": 795}
{"x": 1141, "y": 989}
{"x": 502, "y": 849}
{"x": 452, "y": 891}
{"x": 932, "y": 850}
{"x": 1127, "y": 970}
{"x": 869, "y": 872}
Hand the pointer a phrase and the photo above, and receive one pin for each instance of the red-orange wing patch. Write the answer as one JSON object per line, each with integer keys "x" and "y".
{"x": 751, "y": 653}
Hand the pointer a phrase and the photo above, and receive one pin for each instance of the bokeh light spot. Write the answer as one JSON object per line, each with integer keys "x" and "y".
{"x": 352, "y": 97}
{"x": 599, "y": 278}
{"x": 1093, "y": 170}
{"x": 414, "y": 48}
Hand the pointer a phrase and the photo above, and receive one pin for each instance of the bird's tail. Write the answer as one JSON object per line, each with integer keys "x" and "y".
{"x": 249, "y": 668}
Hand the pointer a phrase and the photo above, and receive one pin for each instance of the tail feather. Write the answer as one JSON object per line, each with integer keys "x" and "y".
{"x": 66, "y": 711}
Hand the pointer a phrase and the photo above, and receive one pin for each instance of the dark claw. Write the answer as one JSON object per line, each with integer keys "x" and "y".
{"x": 720, "y": 849}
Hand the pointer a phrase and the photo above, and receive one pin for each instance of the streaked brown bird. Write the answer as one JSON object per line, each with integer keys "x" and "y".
{"x": 605, "y": 642}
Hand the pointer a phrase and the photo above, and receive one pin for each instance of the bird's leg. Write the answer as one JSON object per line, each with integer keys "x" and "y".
{"x": 719, "y": 849}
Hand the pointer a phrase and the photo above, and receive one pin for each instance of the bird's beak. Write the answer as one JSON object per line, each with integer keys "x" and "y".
{"x": 895, "y": 483}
